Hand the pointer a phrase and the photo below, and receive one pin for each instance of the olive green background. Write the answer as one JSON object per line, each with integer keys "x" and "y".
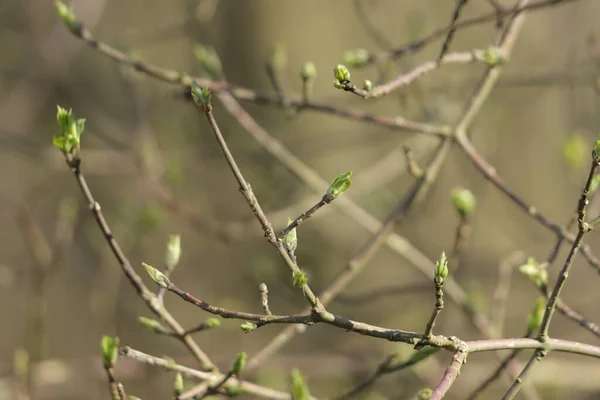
{"x": 536, "y": 128}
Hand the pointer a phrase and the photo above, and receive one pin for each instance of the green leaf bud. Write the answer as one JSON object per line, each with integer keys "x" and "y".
{"x": 309, "y": 71}
{"x": 173, "y": 251}
{"x": 356, "y": 58}
{"x": 341, "y": 73}
{"x": 158, "y": 277}
{"x": 212, "y": 323}
{"x": 68, "y": 17}
{"x": 596, "y": 153}
{"x": 299, "y": 387}
{"x": 340, "y": 184}
{"x": 337, "y": 84}
{"x": 151, "y": 324}
{"x": 291, "y": 239}
{"x": 278, "y": 56}
{"x": 493, "y": 56}
{"x": 534, "y": 321}
{"x": 424, "y": 394}
{"x": 534, "y": 272}
{"x": 200, "y": 94}
{"x": 178, "y": 384}
{"x": 441, "y": 268}
{"x": 248, "y": 327}
{"x": 367, "y": 85}
{"x": 233, "y": 391}
{"x": 239, "y": 363}
{"x": 209, "y": 60}
{"x": 463, "y": 200}
{"x": 110, "y": 351}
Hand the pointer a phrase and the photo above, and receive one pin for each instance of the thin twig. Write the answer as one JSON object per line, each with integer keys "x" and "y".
{"x": 305, "y": 215}
{"x": 457, "y": 10}
{"x": 419, "y": 44}
{"x": 497, "y": 372}
{"x": 583, "y": 229}
{"x": 243, "y": 94}
{"x": 452, "y": 372}
{"x": 146, "y": 295}
{"x": 211, "y": 378}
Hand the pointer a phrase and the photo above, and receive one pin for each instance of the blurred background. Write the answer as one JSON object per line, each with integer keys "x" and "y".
{"x": 155, "y": 168}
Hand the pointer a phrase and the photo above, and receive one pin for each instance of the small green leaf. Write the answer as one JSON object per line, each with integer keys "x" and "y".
{"x": 299, "y": 278}
{"x": 158, "y": 277}
{"x": 110, "y": 351}
{"x": 239, "y": 363}
{"x": 64, "y": 119}
{"x": 534, "y": 321}
{"x": 299, "y": 387}
{"x": 441, "y": 268}
{"x": 463, "y": 200}
{"x": 341, "y": 73}
{"x": 173, "y": 251}
{"x": 340, "y": 184}
{"x": 248, "y": 327}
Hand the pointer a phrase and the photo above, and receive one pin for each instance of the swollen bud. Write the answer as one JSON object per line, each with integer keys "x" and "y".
{"x": 68, "y": 17}
{"x": 151, "y": 324}
{"x": 212, "y": 323}
{"x": 356, "y": 58}
{"x": 441, "y": 268}
{"x": 248, "y": 327}
{"x": 291, "y": 239}
{"x": 209, "y": 60}
{"x": 532, "y": 270}
{"x": 340, "y": 184}
{"x": 367, "y": 85}
{"x": 178, "y": 384}
{"x": 463, "y": 200}
{"x": 110, "y": 351}
{"x": 200, "y": 94}
{"x": 278, "y": 56}
{"x": 492, "y": 56}
{"x": 233, "y": 391}
{"x": 309, "y": 71}
{"x": 424, "y": 394}
{"x": 158, "y": 277}
{"x": 341, "y": 74}
{"x": 596, "y": 153}
{"x": 239, "y": 363}
{"x": 534, "y": 321}
{"x": 173, "y": 251}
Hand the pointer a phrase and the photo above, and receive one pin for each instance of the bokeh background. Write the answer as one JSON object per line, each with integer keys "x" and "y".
{"x": 155, "y": 168}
